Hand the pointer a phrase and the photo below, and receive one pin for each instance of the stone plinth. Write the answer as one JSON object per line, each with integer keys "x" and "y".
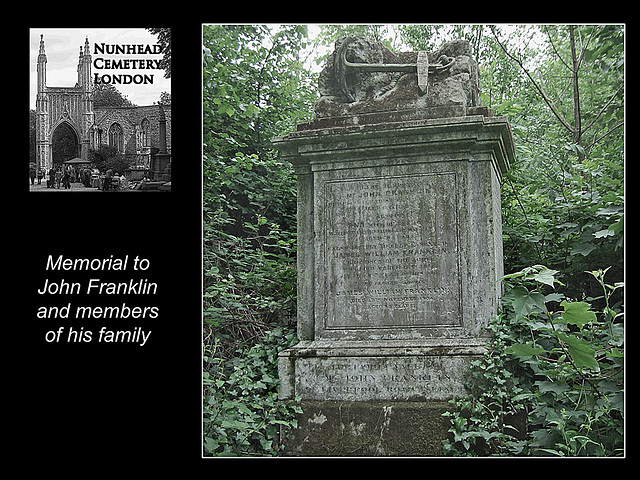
{"x": 355, "y": 429}
{"x": 399, "y": 253}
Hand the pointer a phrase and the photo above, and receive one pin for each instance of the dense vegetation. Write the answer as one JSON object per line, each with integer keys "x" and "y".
{"x": 563, "y": 211}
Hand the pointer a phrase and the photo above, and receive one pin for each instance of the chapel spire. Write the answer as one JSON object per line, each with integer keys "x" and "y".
{"x": 41, "y": 52}
{"x": 42, "y": 66}
{"x": 84, "y": 65}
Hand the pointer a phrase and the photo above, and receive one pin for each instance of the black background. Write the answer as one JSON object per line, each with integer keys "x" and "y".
{"x": 107, "y": 404}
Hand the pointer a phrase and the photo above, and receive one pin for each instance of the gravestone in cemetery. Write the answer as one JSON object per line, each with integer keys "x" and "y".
{"x": 399, "y": 247}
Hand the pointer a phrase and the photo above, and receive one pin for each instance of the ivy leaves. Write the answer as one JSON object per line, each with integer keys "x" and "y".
{"x": 254, "y": 88}
{"x": 242, "y": 415}
{"x": 577, "y": 353}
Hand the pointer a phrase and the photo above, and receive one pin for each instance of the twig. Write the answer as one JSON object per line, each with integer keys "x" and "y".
{"x": 554, "y": 49}
{"x": 602, "y": 110}
{"x": 604, "y": 135}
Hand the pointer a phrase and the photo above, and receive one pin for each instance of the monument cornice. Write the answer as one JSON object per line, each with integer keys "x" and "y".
{"x": 467, "y": 137}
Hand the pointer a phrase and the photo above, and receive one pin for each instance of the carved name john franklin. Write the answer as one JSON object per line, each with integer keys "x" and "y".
{"x": 391, "y": 251}
{"x": 380, "y": 377}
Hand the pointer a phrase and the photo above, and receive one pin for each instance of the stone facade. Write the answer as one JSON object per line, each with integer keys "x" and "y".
{"x": 399, "y": 255}
{"x": 140, "y": 127}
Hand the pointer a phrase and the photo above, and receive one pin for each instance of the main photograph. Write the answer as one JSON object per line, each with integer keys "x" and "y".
{"x": 413, "y": 240}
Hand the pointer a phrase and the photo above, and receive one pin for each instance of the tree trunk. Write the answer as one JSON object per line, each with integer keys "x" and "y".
{"x": 577, "y": 123}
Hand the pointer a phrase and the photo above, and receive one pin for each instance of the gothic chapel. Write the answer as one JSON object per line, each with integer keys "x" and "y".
{"x": 142, "y": 134}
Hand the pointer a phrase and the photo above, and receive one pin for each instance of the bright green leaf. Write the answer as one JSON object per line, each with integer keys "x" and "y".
{"x": 577, "y": 313}
{"x": 604, "y": 233}
{"x": 523, "y": 350}
{"x": 617, "y": 227}
{"x": 545, "y": 276}
{"x": 615, "y": 353}
{"x": 610, "y": 210}
{"x": 583, "y": 355}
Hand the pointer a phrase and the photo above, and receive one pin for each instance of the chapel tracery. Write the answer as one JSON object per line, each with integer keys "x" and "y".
{"x": 116, "y": 137}
{"x": 145, "y": 132}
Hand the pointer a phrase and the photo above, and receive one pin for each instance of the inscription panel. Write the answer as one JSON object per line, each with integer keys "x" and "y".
{"x": 391, "y": 251}
{"x": 381, "y": 378}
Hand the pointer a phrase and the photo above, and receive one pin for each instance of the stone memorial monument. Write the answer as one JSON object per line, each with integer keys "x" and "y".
{"x": 399, "y": 246}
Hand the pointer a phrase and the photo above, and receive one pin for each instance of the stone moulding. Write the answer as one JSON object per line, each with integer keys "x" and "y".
{"x": 475, "y": 134}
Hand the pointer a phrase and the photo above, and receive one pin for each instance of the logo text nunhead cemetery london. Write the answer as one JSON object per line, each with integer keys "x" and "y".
{"x": 101, "y": 63}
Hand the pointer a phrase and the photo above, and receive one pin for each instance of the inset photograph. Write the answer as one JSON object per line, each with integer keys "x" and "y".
{"x": 100, "y": 110}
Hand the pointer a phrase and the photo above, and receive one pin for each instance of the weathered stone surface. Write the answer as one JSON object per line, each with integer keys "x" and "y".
{"x": 386, "y": 241}
{"x": 364, "y": 378}
{"x": 399, "y": 243}
{"x": 344, "y": 429}
{"x": 399, "y": 246}
{"x": 345, "y": 90}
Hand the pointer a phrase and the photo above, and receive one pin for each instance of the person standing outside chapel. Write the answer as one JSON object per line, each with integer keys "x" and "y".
{"x": 65, "y": 179}
{"x": 58, "y": 176}
{"x": 106, "y": 186}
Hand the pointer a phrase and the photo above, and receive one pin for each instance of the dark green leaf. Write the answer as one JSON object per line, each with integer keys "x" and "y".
{"x": 583, "y": 249}
{"x": 555, "y": 387}
{"x": 525, "y": 302}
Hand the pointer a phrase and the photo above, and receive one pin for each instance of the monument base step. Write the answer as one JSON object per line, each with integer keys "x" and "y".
{"x": 369, "y": 372}
{"x": 368, "y": 429}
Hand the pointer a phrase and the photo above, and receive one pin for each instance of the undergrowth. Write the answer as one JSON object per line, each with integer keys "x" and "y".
{"x": 242, "y": 415}
{"x": 559, "y": 390}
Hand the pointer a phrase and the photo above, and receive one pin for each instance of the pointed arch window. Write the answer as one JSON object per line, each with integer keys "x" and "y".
{"x": 116, "y": 137}
{"x": 145, "y": 132}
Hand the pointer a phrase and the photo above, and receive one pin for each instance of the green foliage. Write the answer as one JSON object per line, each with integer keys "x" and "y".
{"x": 252, "y": 84}
{"x": 254, "y": 88}
{"x": 563, "y": 200}
{"x": 249, "y": 281}
{"x": 571, "y": 219}
{"x": 242, "y": 415}
{"x": 563, "y": 371}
